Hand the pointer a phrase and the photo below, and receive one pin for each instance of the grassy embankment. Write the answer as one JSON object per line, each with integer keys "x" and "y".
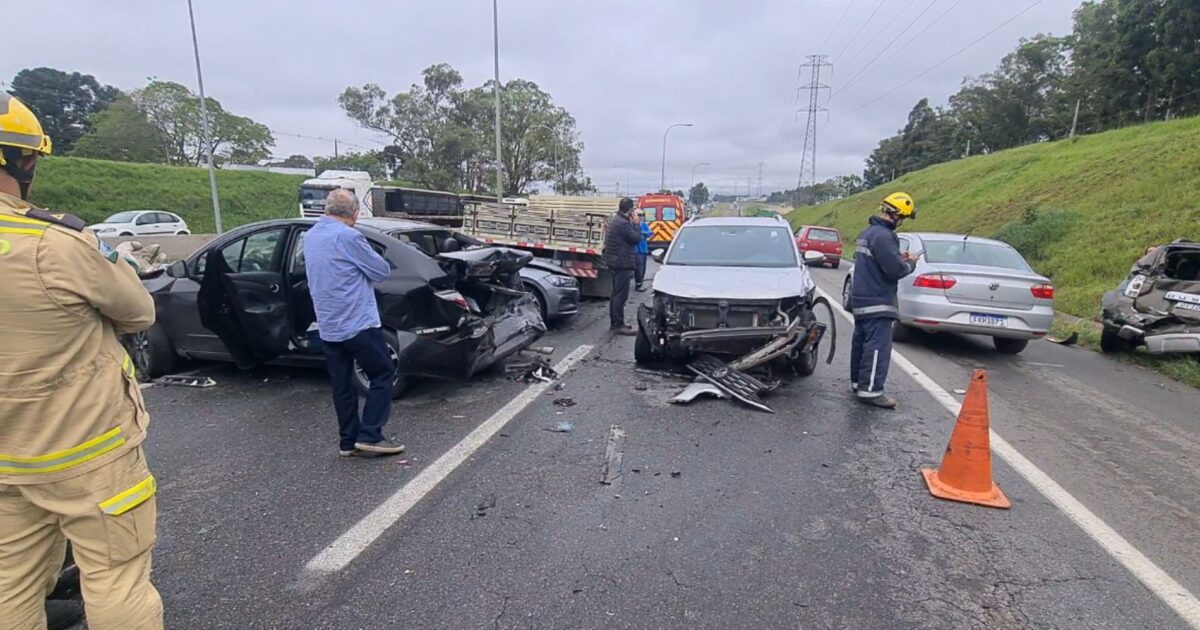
{"x": 1080, "y": 210}
{"x": 95, "y": 189}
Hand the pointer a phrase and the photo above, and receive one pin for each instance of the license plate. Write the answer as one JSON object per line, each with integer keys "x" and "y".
{"x": 1185, "y": 305}
{"x": 995, "y": 321}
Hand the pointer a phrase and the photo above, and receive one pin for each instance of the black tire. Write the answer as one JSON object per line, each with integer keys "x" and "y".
{"x": 643, "y": 351}
{"x": 151, "y": 350}
{"x": 125, "y": 234}
{"x": 846, "y": 293}
{"x": 902, "y": 333}
{"x": 806, "y": 363}
{"x": 1112, "y": 343}
{"x": 532, "y": 289}
{"x": 402, "y": 382}
{"x": 1009, "y": 346}
{"x": 182, "y": 233}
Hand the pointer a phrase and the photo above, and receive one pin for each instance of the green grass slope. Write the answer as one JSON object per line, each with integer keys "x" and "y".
{"x": 95, "y": 189}
{"x": 1080, "y": 210}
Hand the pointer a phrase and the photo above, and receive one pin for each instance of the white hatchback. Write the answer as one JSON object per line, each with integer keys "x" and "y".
{"x": 141, "y": 223}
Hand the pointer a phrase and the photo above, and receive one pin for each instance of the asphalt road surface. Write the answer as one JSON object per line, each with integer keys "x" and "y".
{"x": 717, "y": 516}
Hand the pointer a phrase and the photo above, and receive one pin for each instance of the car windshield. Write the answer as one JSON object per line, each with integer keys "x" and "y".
{"x": 828, "y": 236}
{"x": 733, "y": 246}
{"x": 122, "y": 217}
{"x": 313, "y": 194}
{"x": 962, "y": 252}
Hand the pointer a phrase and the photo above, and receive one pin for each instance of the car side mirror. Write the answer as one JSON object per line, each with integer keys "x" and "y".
{"x": 812, "y": 258}
{"x": 658, "y": 254}
{"x": 178, "y": 269}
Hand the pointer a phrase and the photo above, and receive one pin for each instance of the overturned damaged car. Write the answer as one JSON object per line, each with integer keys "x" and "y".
{"x": 244, "y": 297}
{"x": 1158, "y": 304}
{"x": 733, "y": 295}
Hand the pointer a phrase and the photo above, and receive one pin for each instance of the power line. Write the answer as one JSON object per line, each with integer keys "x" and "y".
{"x": 860, "y": 30}
{"x": 880, "y": 35}
{"x": 943, "y": 61}
{"x": 836, "y": 24}
{"x": 867, "y": 70}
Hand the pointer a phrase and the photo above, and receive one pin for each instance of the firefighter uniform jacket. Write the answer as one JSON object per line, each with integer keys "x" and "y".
{"x": 69, "y": 399}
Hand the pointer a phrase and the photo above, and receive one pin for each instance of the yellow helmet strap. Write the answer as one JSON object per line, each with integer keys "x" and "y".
{"x": 12, "y": 160}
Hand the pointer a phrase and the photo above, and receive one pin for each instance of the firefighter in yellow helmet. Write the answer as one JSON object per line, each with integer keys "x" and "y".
{"x": 72, "y": 418}
{"x": 878, "y": 267}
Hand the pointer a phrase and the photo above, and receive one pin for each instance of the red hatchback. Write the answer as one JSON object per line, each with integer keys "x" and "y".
{"x": 825, "y": 240}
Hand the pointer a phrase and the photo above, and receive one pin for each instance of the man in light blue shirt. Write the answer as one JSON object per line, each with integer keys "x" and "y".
{"x": 341, "y": 267}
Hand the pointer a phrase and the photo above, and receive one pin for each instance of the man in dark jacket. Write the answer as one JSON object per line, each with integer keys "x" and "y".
{"x": 621, "y": 237}
{"x": 878, "y": 267}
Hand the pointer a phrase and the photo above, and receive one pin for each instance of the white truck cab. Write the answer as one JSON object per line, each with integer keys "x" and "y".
{"x": 314, "y": 191}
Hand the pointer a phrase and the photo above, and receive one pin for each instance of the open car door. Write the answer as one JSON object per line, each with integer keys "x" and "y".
{"x": 242, "y": 297}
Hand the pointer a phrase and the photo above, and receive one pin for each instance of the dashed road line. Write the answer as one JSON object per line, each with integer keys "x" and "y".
{"x": 1159, "y": 582}
{"x": 362, "y": 534}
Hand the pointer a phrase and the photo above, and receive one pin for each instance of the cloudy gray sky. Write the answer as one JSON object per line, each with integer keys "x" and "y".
{"x": 626, "y": 69}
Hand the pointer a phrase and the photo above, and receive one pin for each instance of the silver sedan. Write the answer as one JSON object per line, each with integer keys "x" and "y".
{"x": 974, "y": 286}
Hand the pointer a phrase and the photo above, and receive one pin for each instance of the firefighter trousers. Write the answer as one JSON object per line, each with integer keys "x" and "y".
{"x": 108, "y": 515}
{"x": 870, "y": 355}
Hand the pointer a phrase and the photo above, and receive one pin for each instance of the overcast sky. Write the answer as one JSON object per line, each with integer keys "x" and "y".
{"x": 626, "y": 69}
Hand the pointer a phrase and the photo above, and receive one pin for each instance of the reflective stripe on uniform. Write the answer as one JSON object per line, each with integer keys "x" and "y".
{"x": 880, "y": 308}
{"x": 131, "y": 498}
{"x": 12, "y": 218}
{"x": 128, "y": 368}
{"x": 62, "y": 460}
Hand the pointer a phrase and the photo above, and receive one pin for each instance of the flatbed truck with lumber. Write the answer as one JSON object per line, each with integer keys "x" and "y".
{"x": 567, "y": 230}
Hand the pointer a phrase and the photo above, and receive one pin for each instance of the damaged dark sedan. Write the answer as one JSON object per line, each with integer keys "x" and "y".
{"x": 244, "y": 298}
{"x": 1158, "y": 304}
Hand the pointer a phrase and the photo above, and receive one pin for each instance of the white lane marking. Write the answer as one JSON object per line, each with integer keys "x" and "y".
{"x": 1053, "y": 365}
{"x": 145, "y": 385}
{"x": 355, "y": 540}
{"x": 1166, "y": 588}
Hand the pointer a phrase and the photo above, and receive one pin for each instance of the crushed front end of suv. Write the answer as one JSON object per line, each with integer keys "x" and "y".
{"x": 733, "y": 293}
{"x": 1158, "y": 304}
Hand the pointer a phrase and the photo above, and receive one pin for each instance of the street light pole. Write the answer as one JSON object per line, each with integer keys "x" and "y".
{"x": 662, "y": 182}
{"x": 496, "y": 57}
{"x": 694, "y": 173}
{"x": 212, "y": 167}
{"x": 626, "y": 177}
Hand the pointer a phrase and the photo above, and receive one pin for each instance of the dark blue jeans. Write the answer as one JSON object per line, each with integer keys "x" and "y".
{"x": 370, "y": 350}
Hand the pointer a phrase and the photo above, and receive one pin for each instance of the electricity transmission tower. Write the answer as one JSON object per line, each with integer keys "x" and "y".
{"x": 808, "y": 159}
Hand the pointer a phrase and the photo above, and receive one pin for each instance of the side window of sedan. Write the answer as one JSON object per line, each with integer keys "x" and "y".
{"x": 260, "y": 251}
{"x": 905, "y": 245}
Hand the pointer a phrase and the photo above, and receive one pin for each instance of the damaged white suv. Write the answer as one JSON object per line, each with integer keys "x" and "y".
{"x": 736, "y": 288}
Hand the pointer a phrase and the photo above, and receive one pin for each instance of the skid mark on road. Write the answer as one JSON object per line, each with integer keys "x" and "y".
{"x": 355, "y": 540}
{"x": 1159, "y": 582}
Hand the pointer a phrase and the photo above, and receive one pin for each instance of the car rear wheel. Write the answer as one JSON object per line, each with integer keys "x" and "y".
{"x": 846, "y": 294}
{"x": 402, "y": 382}
{"x": 643, "y": 352}
{"x": 1112, "y": 343}
{"x": 902, "y": 333}
{"x": 1009, "y": 346}
{"x": 182, "y": 233}
{"x": 125, "y": 234}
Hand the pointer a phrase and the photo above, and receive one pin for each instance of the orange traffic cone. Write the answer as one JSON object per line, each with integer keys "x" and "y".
{"x": 966, "y": 471}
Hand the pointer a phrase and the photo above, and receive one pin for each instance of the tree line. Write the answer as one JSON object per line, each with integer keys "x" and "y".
{"x": 438, "y": 134}
{"x": 1124, "y": 62}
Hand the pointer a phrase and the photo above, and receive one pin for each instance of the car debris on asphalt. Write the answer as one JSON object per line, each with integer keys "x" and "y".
{"x": 1069, "y": 340}
{"x": 178, "y": 380}
{"x": 561, "y": 427}
{"x": 565, "y": 401}
{"x": 696, "y": 389}
{"x": 614, "y": 452}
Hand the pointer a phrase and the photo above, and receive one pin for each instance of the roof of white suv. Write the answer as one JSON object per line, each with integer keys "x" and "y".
{"x": 763, "y": 221}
